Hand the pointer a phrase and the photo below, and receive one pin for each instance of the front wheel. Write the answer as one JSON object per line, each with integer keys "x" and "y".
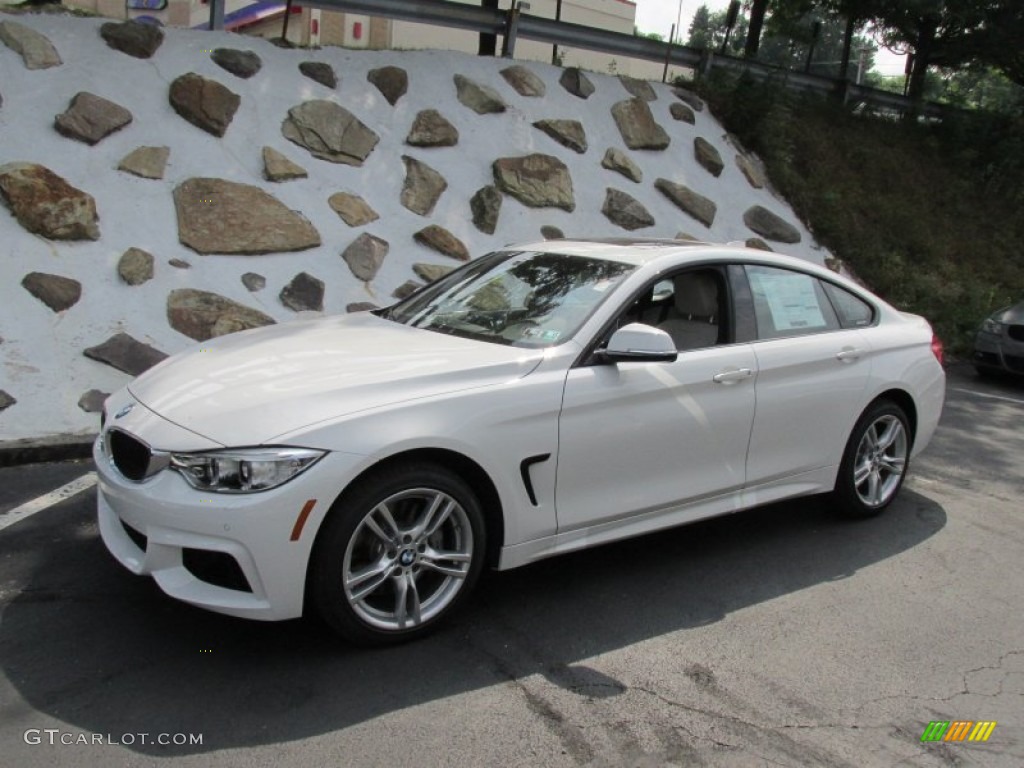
{"x": 398, "y": 554}
{"x": 875, "y": 461}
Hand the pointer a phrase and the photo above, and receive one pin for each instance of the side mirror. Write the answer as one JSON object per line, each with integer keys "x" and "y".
{"x": 639, "y": 343}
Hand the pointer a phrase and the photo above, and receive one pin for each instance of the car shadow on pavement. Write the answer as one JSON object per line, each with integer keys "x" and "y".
{"x": 89, "y": 644}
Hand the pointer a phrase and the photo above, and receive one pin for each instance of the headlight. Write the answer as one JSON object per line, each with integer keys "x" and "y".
{"x": 991, "y": 326}
{"x": 243, "y": 470}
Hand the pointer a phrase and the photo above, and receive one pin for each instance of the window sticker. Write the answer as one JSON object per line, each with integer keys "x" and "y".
{"x": 791, "y": 299}
{"x": 550, "y": 335}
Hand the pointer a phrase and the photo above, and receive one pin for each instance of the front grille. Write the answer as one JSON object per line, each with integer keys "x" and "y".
{"x": 217, "y": 568}
{"x": 1016, "y": 332}
{"x": 140, "y": 539}
{"x": 130, "y": 456}
{"x": 1014, "y": 363}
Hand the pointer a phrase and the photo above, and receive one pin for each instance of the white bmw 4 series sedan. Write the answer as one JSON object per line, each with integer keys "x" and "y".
{"x": 540, "y": 399}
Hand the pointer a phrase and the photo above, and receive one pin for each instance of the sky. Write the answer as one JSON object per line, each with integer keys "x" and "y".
{"x": 659, "y": 16}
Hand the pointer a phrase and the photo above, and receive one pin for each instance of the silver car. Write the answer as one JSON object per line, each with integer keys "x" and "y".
{"x": 999, "y": 343}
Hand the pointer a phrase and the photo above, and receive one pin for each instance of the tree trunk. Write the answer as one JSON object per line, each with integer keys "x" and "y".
{"x": 922, "y": 58}
{"x": 844, "y": 65}
{"x": 757, "y": 12}
{"x": 488, "y": 43}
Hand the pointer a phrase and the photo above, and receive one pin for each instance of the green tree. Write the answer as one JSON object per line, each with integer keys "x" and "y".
{"x": 943, "y": 33}
{"x": 701, "y": 32}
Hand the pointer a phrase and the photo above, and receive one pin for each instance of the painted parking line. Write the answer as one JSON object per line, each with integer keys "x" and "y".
{"x": 1016, "y": 400}
{"x": 29, "y": 508}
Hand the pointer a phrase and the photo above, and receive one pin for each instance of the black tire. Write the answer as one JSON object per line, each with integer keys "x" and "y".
{"x": 986, "y": 373}
{"x": 879, "y": 445}
{"x": 437, "y": 523}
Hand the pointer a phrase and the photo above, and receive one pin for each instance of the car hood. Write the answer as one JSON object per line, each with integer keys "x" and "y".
{"x": 1011, "y": 315}
{"x": 252, "y": 387}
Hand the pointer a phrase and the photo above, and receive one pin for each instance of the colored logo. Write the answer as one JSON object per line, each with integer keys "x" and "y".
{"x": 958, "y": 730}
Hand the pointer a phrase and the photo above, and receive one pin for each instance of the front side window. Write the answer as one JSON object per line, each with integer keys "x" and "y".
{"x": 789, "y": 303}
{"x": 519, "y": 298}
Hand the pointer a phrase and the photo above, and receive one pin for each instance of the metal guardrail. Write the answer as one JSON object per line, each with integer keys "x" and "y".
{"x": 513, "y": 24}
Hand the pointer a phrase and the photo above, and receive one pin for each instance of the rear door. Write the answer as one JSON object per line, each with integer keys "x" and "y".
{"x": 812, "y": 374}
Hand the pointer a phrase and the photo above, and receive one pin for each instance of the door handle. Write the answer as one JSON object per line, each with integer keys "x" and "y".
{"x": 732, "y": 375}
{"x": 849, "y": 354}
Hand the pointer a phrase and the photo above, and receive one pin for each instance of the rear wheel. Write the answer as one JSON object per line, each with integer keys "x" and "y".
{"x": 398, "y": 554}
{"x": 875, "y": 461}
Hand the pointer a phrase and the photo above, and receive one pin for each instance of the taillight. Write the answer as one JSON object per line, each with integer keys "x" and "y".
{"x": 937, "y": 348}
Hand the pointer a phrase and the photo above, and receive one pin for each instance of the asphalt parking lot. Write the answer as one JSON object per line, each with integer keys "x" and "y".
{"x": 781, "y": 636}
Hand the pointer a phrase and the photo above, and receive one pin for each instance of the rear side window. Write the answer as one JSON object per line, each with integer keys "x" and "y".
{"x": 789, "y": 303}
{"x": 853, "y": 311}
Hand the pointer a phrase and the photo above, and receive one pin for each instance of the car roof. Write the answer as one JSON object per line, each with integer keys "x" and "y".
{"x": 643, "y": 251}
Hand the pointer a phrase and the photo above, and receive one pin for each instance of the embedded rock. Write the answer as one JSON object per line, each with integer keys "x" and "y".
{"x": 639, "y": 89}
{"x": 360, "y": 306}
{"x": 353, "y": 210}
{"x": 254, "y": 282}
{"x": 243, "y": 64}
{"x": 179, "y": 264}
{"x": 707, "y": 156}
{"x": 92, "y": 401}
{"x": 133, "y": 37}
{"x": 202, "y": 315}
{"x": 218, "y": 216}
{"x": 430, "y": 272}
{"x": 6, "y": 400}
{"x": 637, "y": 126}
{"x": 618, "y": 161}
{"x": 752, "y": 171}
{"x": 524, "y": 81}
{"x": 322, "y": 73}
{"x": 277, "y": 167}
{"x": 205, "y": 103}
{"x": 365, "y": 255}
{"x": 688, "y": 201}
{"x": 35, "y": 49}
{"x": 485, "y": 206}
{"x": 481, "y": 99}
{"x": 431, "y": 129}
{"x": 758, "y": 244}
{"x": 407, "y": 288}
{"x": 422, "y": 188}
{"x": 568, "y": 133}
{"x": 687, "y": 237}
{"x": 442, "y": 241}
{"x": 392, "y": 82}
{"x": 125, "y": 353}
{"x": 576, "y": 83}
{"x": 330, "y": 132}
{"x": 135, "y": 266}
{"x": 625, "y": 210}
{"x": 303, "y": 293}
{"x": 551, "y": 233}
{"x": 45, "y": 204}
{"x": 690, "y": 98}
{"x": 682, "y": 112}
{"x": 770, "y": 226}
{"x": 539, "y": 181}
{"x": 146, "y": 162}
{"x": 56, "y": 292}
{"x": 91, "y": 118}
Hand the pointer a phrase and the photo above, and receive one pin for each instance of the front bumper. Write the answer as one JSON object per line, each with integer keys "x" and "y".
{"x": 999, "y": 353}
{"x": 243, "y": 555}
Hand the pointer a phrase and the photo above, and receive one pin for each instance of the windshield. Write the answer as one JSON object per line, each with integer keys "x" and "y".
{"x": 520, "y": 298}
